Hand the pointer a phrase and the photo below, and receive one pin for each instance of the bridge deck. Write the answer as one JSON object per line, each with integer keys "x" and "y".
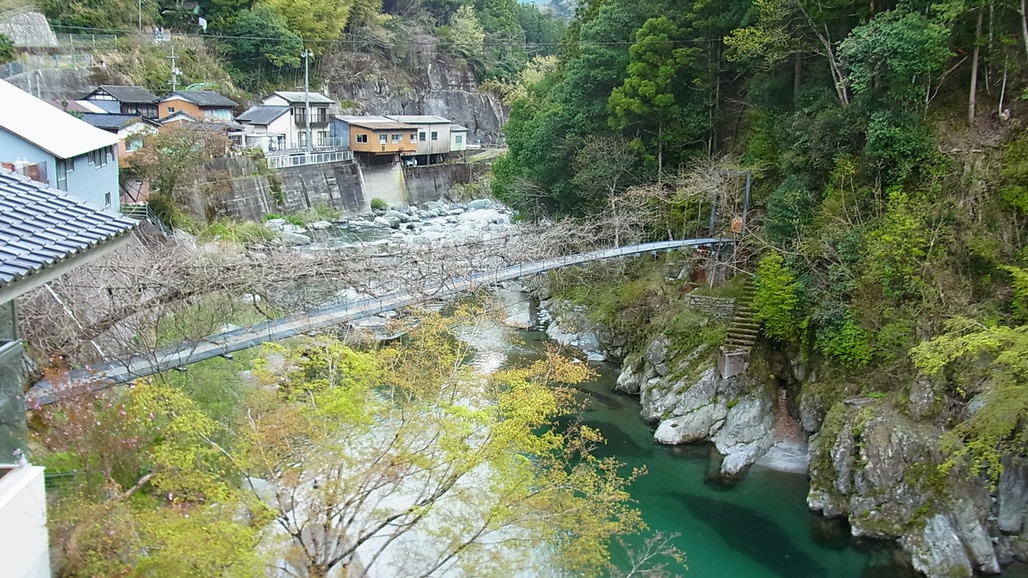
{"x": 310, "y": 321}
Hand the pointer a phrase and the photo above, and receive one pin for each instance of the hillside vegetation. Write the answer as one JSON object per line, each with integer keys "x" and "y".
{"x": 888, "y": 155}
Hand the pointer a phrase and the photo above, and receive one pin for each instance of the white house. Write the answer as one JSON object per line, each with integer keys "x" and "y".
{"x": 433, "y": 135}
{"x": 130, "y": 129}
{"x": 293, "y": 106}
{"x": 458, "y": 138}
{"x": 66, "y": 153}
{"x": 268, "y": 127}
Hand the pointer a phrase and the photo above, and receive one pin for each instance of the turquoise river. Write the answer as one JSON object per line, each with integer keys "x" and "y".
{"x": 758, "y": 528}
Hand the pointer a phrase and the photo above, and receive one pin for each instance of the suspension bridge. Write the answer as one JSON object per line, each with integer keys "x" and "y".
{"x": 226, "y": 343}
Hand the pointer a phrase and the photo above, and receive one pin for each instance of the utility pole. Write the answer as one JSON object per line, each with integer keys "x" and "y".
{"x": 174, "y": 70}
{"x": 140, "y": 6}
{"x": 307, "y": 97}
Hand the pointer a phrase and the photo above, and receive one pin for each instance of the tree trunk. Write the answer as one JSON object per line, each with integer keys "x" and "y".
{"x": 1024, "y": 24}
{"x": 973, "y": 91}
{"x": 660, "y": 153}
{"x": 797, "y": 76}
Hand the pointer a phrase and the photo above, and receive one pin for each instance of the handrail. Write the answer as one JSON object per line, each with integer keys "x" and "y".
{"x": 317, "y": 319}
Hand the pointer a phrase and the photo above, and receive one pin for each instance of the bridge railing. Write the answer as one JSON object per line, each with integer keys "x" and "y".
{"x": 321, "y": 318}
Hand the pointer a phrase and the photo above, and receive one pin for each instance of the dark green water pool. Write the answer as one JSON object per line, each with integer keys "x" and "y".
{"x": 758, "y": 528}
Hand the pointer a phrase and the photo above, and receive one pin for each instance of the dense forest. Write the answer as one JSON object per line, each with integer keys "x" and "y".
{"x": 888, "y": 158}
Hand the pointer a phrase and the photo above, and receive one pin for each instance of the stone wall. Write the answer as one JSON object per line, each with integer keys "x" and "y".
{"x": 720, "y": 307}
{"x": 431, "y": 182}
{"x": 241, "y": 187}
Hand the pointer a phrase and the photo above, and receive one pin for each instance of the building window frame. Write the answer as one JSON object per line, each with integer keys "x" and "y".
{"x": 435, "y": 135}
{"x": 362, "y": 138}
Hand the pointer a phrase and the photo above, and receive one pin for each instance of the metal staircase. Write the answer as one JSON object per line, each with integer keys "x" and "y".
{"x": 143, "y": 212}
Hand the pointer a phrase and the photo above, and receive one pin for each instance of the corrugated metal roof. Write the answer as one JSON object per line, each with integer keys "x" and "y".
{"x": 202, "y": 98}
{"x": 458, "y": 128}
{"x": 375, "y": 122}
{"x": 298, "y": 98}
{"x": 262, "y": 115}
{"x": 40, "y": 227}
{"x": 50, "y": 129}
{"x": 127, "y": 94}
{"x": 418, "y": 118}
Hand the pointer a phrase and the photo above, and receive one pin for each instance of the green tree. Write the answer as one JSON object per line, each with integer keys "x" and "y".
{"x": 465, "y": 37}
{"x": 260, "y": 39}
{"x": 315, "y": 21}
{"x": 6, "y": 49}
{"x": 405, "y": 451}
{"x": 895, "y": 56}
{"x": 648, "y": 102}
{"x": 777, "y": 299}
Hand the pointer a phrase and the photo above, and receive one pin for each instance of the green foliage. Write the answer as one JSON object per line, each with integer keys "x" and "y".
{"x": 790, "y": 209}
{"x": 845, "y": 341}
{"x": 315, "y": 21}
{"x": 6, "y": 49}
{"x": 378, "y": 204}
{"x": 897, "y": 249}
{"x": 997, "y": 427}
{"x": 777, "y": 299}
{"x": 1014, "y": 174}
{"x": 895, "y": 56}
{"x": 464, "y": 37}
{"x": 241, "y": 232}
{"x": 261, "y": 39}
{"x": 898, "y": 142}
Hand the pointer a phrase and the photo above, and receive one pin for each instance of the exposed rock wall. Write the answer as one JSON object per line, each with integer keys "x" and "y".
{"x": 431, "y": 182}
{"x": 426, "y": 81}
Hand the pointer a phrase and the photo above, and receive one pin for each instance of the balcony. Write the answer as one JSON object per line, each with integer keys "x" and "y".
{"x": 302, "y": 159}
{"x": 319, "y": 116}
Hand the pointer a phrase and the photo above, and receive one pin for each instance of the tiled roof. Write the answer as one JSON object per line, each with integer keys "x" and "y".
{"x": 298, "y": 97}
{"x": 203, "y": 98}
{"x": 262, "y": 115}
{"x": 46, "y": 127}
{"x": 127, "y": 94}
{"x": 110, "y": 122}
{"x": 40, "y": 227}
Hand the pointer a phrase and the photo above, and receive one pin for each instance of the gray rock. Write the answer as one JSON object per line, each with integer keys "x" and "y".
{"x": 276, "y": 224}
{"x": 656, "y": 355}
{"x": 937, "y": 551}
{"x": 630, "y": 380}
{"x": 480, "y": 204}
{"x": 697, "y": 425}
{"x": 976, "y": 540}
{"x": 319, "y": 225}
{"x": 747, "y": 433}
{"x": 294, "y": 238}
{"x": 394, "y": 214}
{"x": 382, "y": 222}
{"x": 1012, "y": 495}
{"x": 922, "y": 396}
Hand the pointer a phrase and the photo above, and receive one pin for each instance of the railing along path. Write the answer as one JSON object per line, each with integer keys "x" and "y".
{"x": 221, "y": 344}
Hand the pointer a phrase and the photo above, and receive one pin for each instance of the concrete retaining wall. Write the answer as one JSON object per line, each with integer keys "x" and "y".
{"x": 242, "y": 188}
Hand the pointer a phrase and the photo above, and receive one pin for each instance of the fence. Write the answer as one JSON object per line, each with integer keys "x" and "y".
{"x": 32, "y": 62}
{"x": 302, "y": 159}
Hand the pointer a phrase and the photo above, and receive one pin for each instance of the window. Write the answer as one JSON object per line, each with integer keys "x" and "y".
{"x": 413, "y": 137}
{"x": 69, "y": 165}
{"x": 458, "y": 139}
{"x": 100, "y": 157}
{"x": 107, "y": 200}
{"x": 382, "y": 139}
{"x": 396, "y": 138}
{"x": 171, "y": 109}
{"x": 435, "y": 135}
{"x": 62, "y": 174}
{"x": 362, "y": 138}
{"x": 421, "y": 136}
{"x": 133, "y": 144}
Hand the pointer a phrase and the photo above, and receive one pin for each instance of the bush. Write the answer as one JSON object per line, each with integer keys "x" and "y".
{"x": 379, "y": 205}
{"x": 777, "y": 298}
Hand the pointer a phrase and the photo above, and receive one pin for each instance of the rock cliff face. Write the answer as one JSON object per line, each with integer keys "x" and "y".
{"x": 421, "y": 81}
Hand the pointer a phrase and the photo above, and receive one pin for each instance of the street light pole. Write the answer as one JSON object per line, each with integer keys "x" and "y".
{"x": 307, "y": 97}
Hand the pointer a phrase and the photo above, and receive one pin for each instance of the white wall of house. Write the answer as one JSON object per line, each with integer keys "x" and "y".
{"x": 24, "y": 546}
{"x": 458, "y": 140}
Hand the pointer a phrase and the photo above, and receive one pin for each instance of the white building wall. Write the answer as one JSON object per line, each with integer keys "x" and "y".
{"x": 24, "y": 546}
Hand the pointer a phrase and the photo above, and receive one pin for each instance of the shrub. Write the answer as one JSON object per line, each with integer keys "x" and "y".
{"x": 379, "y": 205}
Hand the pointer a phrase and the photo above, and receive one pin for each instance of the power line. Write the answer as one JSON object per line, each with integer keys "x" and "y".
{"x": 354, "y": 39}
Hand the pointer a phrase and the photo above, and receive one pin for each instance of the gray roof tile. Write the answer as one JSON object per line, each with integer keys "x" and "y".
{"x": 262, "y": 115}
{"x": 40, "y": 227}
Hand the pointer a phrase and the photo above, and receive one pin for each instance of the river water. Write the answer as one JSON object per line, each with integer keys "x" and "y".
{"x": 758, "y": 528}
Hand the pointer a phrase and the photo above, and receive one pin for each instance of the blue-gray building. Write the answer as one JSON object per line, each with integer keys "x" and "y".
{"x": 53, "y": 147}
